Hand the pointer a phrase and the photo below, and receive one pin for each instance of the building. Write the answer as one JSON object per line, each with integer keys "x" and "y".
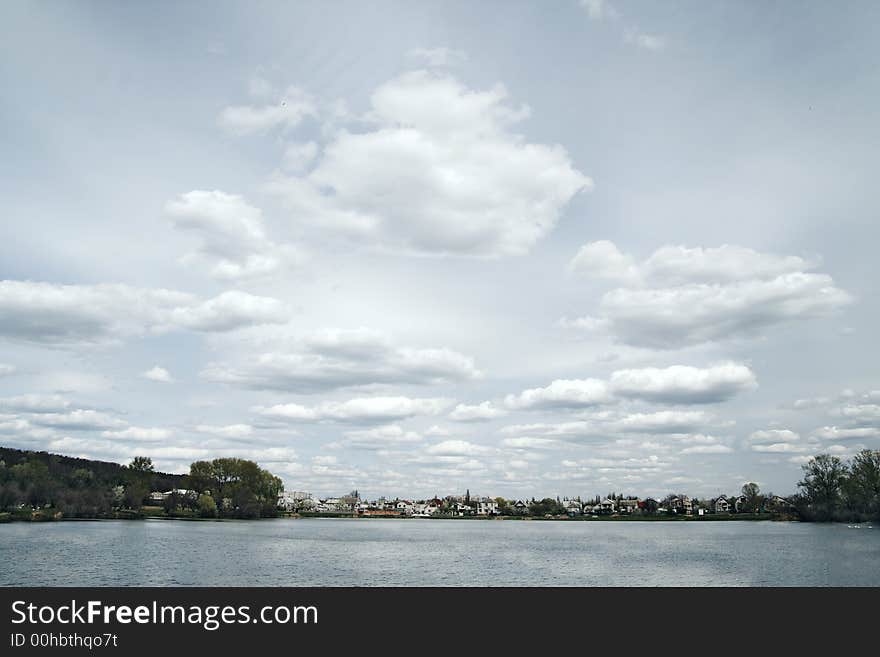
{"x": 487, "y": 507}
{"x": 572, "y": 507}
{"x": 520, "y": 508}
{"x": 607, "y": 506}
{"x": 628, "y": 505}
{"x": 721, "y": 505}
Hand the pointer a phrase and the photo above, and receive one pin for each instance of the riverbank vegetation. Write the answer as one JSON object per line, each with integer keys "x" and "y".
{"x": 40, "y": 486}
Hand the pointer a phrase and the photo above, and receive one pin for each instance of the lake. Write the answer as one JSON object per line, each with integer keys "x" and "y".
{"x": 344, "y": 552}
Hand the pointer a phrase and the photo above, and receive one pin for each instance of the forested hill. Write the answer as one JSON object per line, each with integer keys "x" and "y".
{"x": 104, "y": 474}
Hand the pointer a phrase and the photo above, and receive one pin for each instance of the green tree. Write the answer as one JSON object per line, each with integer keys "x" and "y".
{"x": 752, "y": 499}
{"x": 862, "y": 486}
{"x": 821, "y": 487}
{"x": 142, "y": 464}
{"x": 207, "y": 506}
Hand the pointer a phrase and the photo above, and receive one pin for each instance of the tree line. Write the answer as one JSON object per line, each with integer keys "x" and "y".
{"x": 83, "y": 488}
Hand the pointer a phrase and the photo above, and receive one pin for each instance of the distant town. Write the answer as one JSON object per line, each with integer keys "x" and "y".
{"x": 43, "y": 486}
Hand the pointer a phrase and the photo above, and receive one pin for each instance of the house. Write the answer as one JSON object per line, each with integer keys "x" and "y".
{"x": 293, "y": 500}
{"x": 721, "y": 505}
{"x": 520, "y": 508}
{"x": 680, "y": 505}
{"x": 461, "y": 509}
{"x": 628, "y": 505}
{"x": 404, "y": 507}
{"x": 487, "y": 507}
{"x": 607, "y": 506}
{"x": 572, "y": 507}
{"x": 739, "y": 504}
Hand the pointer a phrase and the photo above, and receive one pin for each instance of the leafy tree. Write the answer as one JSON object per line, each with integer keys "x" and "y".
{"x": 862, "y": 487}
{"x": 207, "y": 506}
{"x": 752, "y": 498}
{"x": 141, "y": 464}
{"x": 821, "y": 487}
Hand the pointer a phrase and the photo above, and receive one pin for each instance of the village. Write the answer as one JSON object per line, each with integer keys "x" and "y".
{"x": 468, "y": 505}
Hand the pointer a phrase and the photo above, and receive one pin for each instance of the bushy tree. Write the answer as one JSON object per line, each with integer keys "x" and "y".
{"x": 821, "y": 487}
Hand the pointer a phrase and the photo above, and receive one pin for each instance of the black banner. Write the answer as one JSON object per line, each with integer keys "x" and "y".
{"x": 239, "y": 621}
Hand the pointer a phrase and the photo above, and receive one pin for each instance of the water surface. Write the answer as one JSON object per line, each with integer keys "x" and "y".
{"x": 388, "y": 552}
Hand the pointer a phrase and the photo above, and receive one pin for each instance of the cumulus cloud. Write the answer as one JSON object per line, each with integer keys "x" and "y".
{"x": 456, "y": 448}
{"x": 842, "y": 433}
{"x": 159, "y": 374}
{"x": 482, "y": 412}
{"x": 337, "y": 358}
{"x": 562, "y": 393}
{"x": 35, "y": 403}
{"x": 680, "y": 384}
{"x": 226, "y": 431}
{"x": 285, "y": 113}
{"x": 231, "y": 234}
{"x": 139, "y": 433}
{"x": 680, "y": 296}
{"x": 440, "y": 172}
{"x": 78, "y": 420}
{"x": 384, "y": 437}
{"x": 358, "y": 410}
{"x": 62, "y": 315}
{"x": 774, "y": 436}
{"x": 707, "y": 449}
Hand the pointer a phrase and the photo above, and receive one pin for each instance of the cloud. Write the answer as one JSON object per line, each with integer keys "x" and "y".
{"x": 456, "y": 448}
{"x": 482, "y": 412}
{"x": 69, "y": 315}
{"x": 681, "y": 384}
{"x": 707, "y": 449}
{"x": 440, "y": 172}
{"x": 286, "y": 113}
{"x": 644, "y": 40}
{"x": 780, "y": 448}
{"x": 599, "y": 9}
{"x": 159, "y": 374}
{"x": 359, "y": 410}
{"x": 78, "y": 420}
{"x": 680, "y": 297}
{"x": 839, "y": 433}
{"x": 139, "y": 433}
{"x": 603, "y": 259}
{"x": 562, "y": 393}
{"x": 33, "y": 403}
{"x": 7, "y": 370}
{"x": 226, "y": 431}
{"x": 774, "y": 436}
{"x": 337, "y": 358}
{"x": 298, "y": 156}
{"x": 384, "y": 437}
{"x": 526, "y": 442}
{"x": 667, "y": 421}
{"x": 441, "y": 56}
{"x": 232, "y": 237}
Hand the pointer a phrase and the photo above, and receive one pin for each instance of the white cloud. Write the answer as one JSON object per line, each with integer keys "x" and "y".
{"x": 840, "y": 433}
{"x": 476, "y": 413}
{"x": 667, "y": 421}
{"x": 644, "y": 40}
{"x": 359, "y": 410}
{"x": 226, "y": 431}
{"x": 139, "y": 433}
{"x": 562, "y": 393}
{"x": 440, "y": 56}
{"x": 456, "y": 448}
{"x": 159, "y": 374}
{"x": 440, "y": 173}
{"x": 298, "y": 156}
{"x": 7, "y": 370}
{"x": 681, "y": 384}
{"x": 603, "y": 259}
{"x": 344, "y": 358}
{"x": 680, "y": 296}
{"x": 78, "y": 420}
{"x": 707, "y": 449}
{"x": 384, "y": 437}
{"x": 231, "y": 233}
{"x": 599, "y": 9}
{"x": 526, "y": 442}
{"x": 62, "y": 315}
{"x": 285, "y": 113}
{"x": 34, "y": 403}
{"x": 780, "y": 448}
{"x": 774, "y": 436}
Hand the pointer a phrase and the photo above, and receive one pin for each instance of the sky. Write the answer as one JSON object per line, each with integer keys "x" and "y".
{"x": 520, "y": 248}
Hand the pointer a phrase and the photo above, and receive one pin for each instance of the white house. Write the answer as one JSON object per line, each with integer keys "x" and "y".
{"x": 722, "y": 505}
{"x": 487, "y": 507}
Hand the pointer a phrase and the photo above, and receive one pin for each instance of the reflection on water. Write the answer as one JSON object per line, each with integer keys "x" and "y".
{"x": 327, "y": 552}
